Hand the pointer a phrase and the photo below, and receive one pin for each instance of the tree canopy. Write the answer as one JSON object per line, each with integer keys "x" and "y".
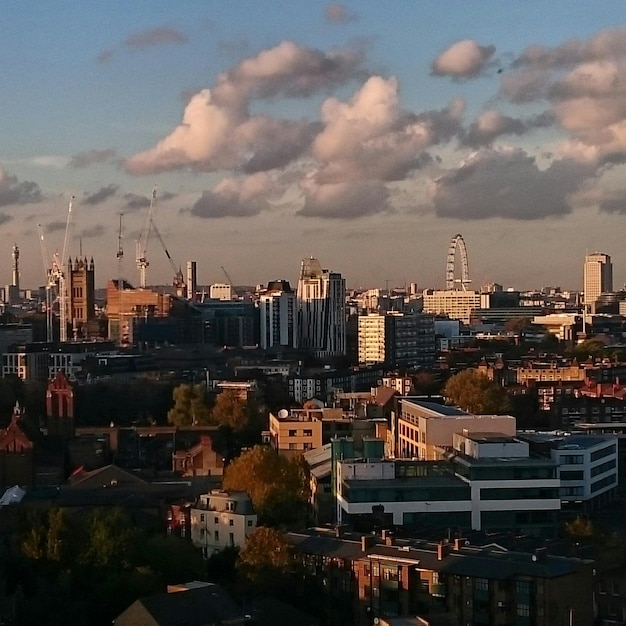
{"x": 266, "y": 557}
{"x": 190, "y": 406}
{"x": 475, "y": 393}
{"x": 230, "y": 410}
{"x": 278, "y": 486}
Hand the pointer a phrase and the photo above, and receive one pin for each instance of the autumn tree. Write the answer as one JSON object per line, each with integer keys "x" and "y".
{"x": 190, "y": 406}
{"x": 278, "y": 486}
{"x": 475, "y": 393}
{"x": 266, "y": 560}
{"x": 230, "y": 410}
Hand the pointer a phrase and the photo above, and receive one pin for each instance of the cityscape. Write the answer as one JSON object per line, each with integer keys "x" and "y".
{"x": 314, "y": 314}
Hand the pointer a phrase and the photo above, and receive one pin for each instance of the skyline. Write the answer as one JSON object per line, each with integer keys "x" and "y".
{"x": 361, "y": 137}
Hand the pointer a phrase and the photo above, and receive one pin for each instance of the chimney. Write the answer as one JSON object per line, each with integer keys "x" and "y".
{"x": 443, "y": 549}
{"x": 459, "y": 543}
{"x": 367, "y": 541}
{"x": 339, "y": 530}
{"x": 387, "y": 537}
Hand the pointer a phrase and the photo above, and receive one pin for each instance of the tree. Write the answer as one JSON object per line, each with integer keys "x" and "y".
{"x": 189, "y": 406}
{"x": 266, "y": 560}
{"x": 230, "y": 410}
{"x": 277, "y": 486}
{"x": 518, "y": 324}
{"x": 593, "y": 348}
{"x": 475, "y": 393}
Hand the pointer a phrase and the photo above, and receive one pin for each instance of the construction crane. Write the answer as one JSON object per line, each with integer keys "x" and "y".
{"x": 55, "y": 280}
{"x": 141, "y": 245}
{"x": 230, "y": 282}
{"x": 142, "y": 261}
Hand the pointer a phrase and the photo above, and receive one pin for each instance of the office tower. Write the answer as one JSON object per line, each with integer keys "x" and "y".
{"x": 277, "y": 316}
{"x": 192, "y": 280}
{"x": 598, "y": 277}
{"x": 321, "y": 298}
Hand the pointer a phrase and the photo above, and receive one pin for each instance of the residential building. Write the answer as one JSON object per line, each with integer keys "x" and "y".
{"x": 221, "y": 519}
{"x": 277, "y": 316}
{"x": 321, "y": 300}
{"x": 396, "y": 339}
{"x": 597, "y": 278}
{"x": 372, "y": 580}
{"x": 295, "y": 431}
{"x": 420, "y": 427}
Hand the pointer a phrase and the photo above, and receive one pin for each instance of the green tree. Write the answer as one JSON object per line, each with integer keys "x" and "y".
{"x": 277, "y": 486}
{"x": 190, "y": 406}
{"x": 593, "y": 348}
{"x": 475, "y": 393}
{"x": 266, "y": 560}
{"x": 110, "y": 540}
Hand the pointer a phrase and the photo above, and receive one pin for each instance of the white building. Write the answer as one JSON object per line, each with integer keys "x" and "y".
{"x": 277, "y": 316}
{"x": 321, "y": 298}
{"x": 221, "y": 519}
{"x": 221, "y": 291}
{"x": 587, "y": 466}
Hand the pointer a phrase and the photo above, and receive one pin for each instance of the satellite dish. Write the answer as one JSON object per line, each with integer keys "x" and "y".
{"x": 376, "y": 620}
{"x": 534, "y": 557}
{"x": 283, "y": 414}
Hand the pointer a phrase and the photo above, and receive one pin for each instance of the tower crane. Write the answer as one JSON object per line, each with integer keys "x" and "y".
{"x": 55, "y": 280}
{"x": 141, "y": 245}
{"x": 142, "y": 248}
{"x": 230, "y": 282}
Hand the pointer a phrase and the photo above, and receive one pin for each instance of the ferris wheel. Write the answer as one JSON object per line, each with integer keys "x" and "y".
{"x": 457, "y": 243}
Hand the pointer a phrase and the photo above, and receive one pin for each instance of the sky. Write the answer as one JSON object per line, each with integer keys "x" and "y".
{"x": 366, "y": 134}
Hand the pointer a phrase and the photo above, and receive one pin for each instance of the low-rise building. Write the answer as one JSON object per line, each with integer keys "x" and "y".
{"x": 221, "y": 519}
{"x": 587, "y": 466}
{"x": 370, "y": 580}
{"x": 420, "y": 427}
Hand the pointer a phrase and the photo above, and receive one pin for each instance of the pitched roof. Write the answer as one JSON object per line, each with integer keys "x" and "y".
{"x": 202, "y": 606}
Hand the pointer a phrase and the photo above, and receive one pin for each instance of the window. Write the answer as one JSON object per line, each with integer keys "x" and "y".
{"x": 231, "y": 538}
{"x": 249, "y": 523}
{"x": 482, "y": 584}
{"x": 308, "y": 433}
{"x": 523, "y": 610}
{"x": 202, "y": 517}
{"x": 231, "y": 522}
{"x": 293, "y": 433}
{"x": 217, "y": 535}
{"x": 216, "y": 520}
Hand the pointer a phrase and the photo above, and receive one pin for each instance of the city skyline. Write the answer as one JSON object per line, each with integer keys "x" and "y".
{"x": 363, "y": 137}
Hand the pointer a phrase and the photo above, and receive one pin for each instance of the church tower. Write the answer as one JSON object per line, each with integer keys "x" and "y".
{"x": 81, "y": 298}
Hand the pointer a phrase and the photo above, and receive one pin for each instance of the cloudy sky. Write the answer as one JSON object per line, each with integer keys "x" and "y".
{"x": 366, "y": 134}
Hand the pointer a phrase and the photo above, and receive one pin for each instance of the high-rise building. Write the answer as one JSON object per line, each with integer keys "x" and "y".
{"x": 396, "y": 339}
{"x": 192, "y": 280}
{"x": 597, "y": 278}
{"x": 321, "y": 297}
{"x": 277, "y": 316}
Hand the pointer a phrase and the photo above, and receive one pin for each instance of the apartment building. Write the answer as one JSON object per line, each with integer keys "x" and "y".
{"x": 374, "y": 580}
{"x": 221, "y": 519}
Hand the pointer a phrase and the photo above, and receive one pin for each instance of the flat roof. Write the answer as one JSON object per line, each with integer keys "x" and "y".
{"x": 490, "y": 437}
{"x": 567, "y": 442}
